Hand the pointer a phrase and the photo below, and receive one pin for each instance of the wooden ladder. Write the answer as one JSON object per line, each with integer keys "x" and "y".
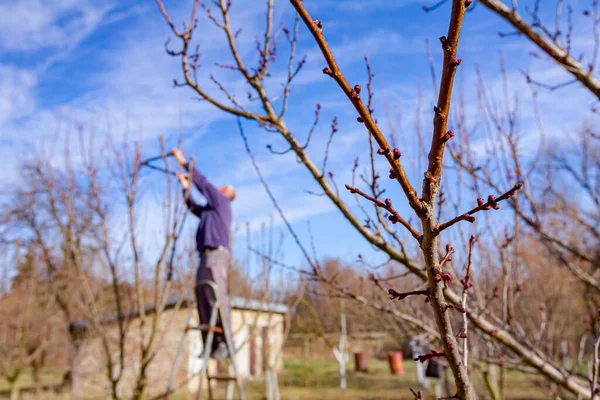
{"x": 211, "y": 328}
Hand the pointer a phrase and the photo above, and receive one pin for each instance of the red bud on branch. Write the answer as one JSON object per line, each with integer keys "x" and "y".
{"x": 448, "y": 136}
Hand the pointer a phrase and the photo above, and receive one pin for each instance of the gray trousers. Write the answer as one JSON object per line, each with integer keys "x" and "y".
{"x": 423, "y": 381}
{"x": 214, "y": 264}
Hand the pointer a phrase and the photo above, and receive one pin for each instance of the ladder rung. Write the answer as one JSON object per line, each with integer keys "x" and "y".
{"x": 222, "y": 378}
{"x": 207, "y": 328}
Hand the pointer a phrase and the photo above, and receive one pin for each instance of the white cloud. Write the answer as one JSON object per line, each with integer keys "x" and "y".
{"x": 132, "y": 83}
{"x": 16, "y": 87}
{"x": 30, "y": 25}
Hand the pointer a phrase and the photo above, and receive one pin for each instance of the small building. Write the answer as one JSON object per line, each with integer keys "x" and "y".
{"x": 257, "y": 327}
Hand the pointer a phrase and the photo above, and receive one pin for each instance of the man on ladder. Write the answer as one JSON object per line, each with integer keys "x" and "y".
{"x": 212, "y": 242}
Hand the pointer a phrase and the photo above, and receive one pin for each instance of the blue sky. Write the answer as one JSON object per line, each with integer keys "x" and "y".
{"x": 102, "y": 64}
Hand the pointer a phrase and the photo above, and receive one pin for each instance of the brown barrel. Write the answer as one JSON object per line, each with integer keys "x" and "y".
{"x": 361, "y": 361}
{"x": 396, "y": 361}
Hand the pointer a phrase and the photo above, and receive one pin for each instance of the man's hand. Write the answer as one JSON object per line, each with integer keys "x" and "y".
{"x": 183, "y": 179}
{"x": 179, "y": 156}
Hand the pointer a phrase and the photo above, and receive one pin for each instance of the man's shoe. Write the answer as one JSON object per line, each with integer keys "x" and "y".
{"x": 221, "y": 352}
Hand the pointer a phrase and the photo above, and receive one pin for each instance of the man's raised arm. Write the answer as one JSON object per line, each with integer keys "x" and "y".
{"x": 194, "y": 207}
{"x": 212, "y": 194}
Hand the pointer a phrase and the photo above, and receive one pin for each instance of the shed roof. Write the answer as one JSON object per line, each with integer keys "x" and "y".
{"x": 236, "y": 303}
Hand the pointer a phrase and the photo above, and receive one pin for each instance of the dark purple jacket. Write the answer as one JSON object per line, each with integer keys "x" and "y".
{"x": 215, "y": 216}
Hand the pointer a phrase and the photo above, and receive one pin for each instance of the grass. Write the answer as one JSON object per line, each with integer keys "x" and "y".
{"x": 319, "y": 379}
{"x": 47, "y": 377}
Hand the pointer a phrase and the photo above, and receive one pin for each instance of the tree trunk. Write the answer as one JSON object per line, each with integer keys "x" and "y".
{"x": 340, "y": 352}
{"x": 14, "y": 390}
{"x": 35, "y": 376}
{"x": 491, "y": 376}
{"x": 429, "y": 247}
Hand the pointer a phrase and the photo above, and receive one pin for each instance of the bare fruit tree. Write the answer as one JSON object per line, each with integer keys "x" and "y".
{"x": 24, "y": 309}
{"x": 455, "y": 313}
{"x": 92, "y": 267}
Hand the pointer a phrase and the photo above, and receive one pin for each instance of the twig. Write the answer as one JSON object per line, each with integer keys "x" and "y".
{"x": 334, "y": 129}
{"x": 431, "y": 355}
{"x": 387, "y": 205}
{"x": 314, "y": 125}
{"x": 337, "y": 190}
{"x": 448, "y": 256}
{"x": 291, "y": 73}
{"x": 369, "y": 86}
{"x": 431, "y": 68}
{"x": 547, "y": 86}
{"x": 491, "y": 203}
{"x": 537, "y": 22}
{"x": 435, "y": 6}
{"x": 463, "y": 333}
{"x": 230, "y": 96}
{"x": 401, "y": 296}
{"x": 312, "y": 129}
{"x": 361, "y": 260}
{"x": 268, "y": 52}
{"x": 373, "y": 278}
{"x": 418, "y": 395}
